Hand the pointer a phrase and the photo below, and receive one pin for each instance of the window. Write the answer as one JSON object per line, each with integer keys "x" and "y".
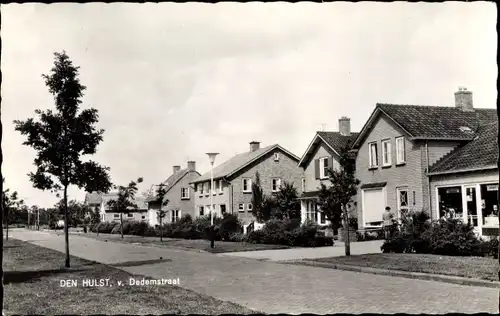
{"x": 222, "y": 208}
{"x": 386, "y": 153}
{"x": 220, "y": 186}
{"x": 311, "y": 211}
{"x": 249, "y": 206}
{"x": 322, "y": 218}
{"x": 185, "y": 193}
{"x": 206, "y": 188}
{"x": 175, "y": 215}
{"x": 241, "y": 207}
{"x": 216, "y": 187}
{"x": 116, "y": 215}
{"x": 202, "y": 211}
{"x": 143, "y": 217}
{"x": 400, "y": 150}
{"x": 323, "y": 168}
{"x": 247, "y": 185}
{"x": 201, "y": 187}
{"x": 403, "y": 199}
{"x": 276, "y": 157}
{"x": 276, "y": 184}
{"x": 373, "y": 155}
{"x": 303, "y": 184}
{"x": 130, "y": 215}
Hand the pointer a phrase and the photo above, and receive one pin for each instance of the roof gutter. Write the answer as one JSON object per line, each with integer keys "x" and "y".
{"x": 492, "y": 167}
{"x": 441, "y": 138}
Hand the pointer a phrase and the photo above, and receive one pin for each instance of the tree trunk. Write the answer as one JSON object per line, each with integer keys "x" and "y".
{"x": 346, "y": 229}
{"x": 161, "y": 231}
{"x": 121, "y": 224}
{"x": 66, "y": 233}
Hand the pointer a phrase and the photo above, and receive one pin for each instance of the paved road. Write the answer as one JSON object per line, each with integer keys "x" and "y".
{"x": 357, "y": 248}
{"x": 273, "y": 287}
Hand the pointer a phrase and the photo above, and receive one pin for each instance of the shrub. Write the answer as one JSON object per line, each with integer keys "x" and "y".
{"x": 202, "y": 224}
{"x": 134, "y": 228}
{"x": 409, "y": 236}
{"x": 490, "y": 248}
{"x": 230, "y": 224}
{"x": 237, "y": 237}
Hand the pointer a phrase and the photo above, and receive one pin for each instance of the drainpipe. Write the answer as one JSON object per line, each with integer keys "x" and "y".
{"x": 428, "y": 178}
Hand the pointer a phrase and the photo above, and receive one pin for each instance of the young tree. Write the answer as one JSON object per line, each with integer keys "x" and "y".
{"x": 160, "y": 199}
{"x": 260, "y": 202}
{"x": 335, "y": 200}
{"x": 125, "y": 201}
{"x": 95, "y": 218}
{"x": 287, "y": 204}
{"x": 62, "y": 137}
{"x": 10, "y": 203}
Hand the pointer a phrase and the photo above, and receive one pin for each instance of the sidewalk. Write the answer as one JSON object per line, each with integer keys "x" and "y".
{"x": 273, "y": 287}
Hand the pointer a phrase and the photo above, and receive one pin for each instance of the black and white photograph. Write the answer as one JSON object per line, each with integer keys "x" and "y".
{"x": 249, "y": 158}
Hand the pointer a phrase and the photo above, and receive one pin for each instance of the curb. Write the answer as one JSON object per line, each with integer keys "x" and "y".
{"x": 399, "y": 273}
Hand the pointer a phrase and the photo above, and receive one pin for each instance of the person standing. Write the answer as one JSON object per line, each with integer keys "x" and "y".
{"x": 388, "y": 219}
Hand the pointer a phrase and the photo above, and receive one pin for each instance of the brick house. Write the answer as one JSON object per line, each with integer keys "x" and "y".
{"x": 99, "y": 202}
{"x": 233, "y": 180}
{"x": 322, "y": 153}
{"x": 180, "y": 195}
{"x": 400, "y": 144}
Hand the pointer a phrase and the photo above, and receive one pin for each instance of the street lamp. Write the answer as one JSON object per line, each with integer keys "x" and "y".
{"x": 211, "y": 157}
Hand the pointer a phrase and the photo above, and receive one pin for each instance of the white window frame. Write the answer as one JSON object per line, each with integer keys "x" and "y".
{"x": 201, "y": 187}
{"x": 386, "y": 152}
{"x": 220, "y": 208}
{"x": 207, "y": 188}
{"x": 220, "y": 186}
{"x": 173, "y": 218}
{"x": 249, "y": 185}
{"x": 116, "y": 215}
{"x": 201, "y": 210}
{"x": 276, "y": 157}
{"x": 323, "y": 174}
{"x": 303, "y": 182}
{"x": 370, "y": 158}
{"x": 130, "y": 215}
{"x": 241, "y": 207}
{"x": 249, "y": 206}
{"x": 398, "y": 200}
{"x": 275, "y": 184}
{"x": 143, "y": 217}
{"x": 185, "y": 196}
{"x": 363, "y": 204}
{"x": 310, "y": 211}
{"x": 400, "y": 152}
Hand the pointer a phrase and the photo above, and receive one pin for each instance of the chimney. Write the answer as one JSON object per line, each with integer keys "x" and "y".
{"x": 254, "y": 146}
{"x": 192, "y": 165}
{"x": 177, "y": 169}
{"x": 345, "y": 126}
{"x": 463, "y": 99}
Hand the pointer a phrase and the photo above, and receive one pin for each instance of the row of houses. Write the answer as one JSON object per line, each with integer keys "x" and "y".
{"x": 441, "y": 159}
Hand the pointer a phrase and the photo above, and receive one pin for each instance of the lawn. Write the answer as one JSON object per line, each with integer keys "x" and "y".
{"x": 193, "y": 244}
{"x": 470, "y": 267}
{"x": 32, "y": 277}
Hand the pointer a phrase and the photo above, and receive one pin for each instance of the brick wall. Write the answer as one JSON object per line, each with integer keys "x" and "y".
{"x": 321, "y": 151}
{"x": 286, "y": 169}
{"x": 407, "y": 176}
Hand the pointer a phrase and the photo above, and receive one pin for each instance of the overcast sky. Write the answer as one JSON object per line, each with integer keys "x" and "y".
{"x": 173, "y": 81}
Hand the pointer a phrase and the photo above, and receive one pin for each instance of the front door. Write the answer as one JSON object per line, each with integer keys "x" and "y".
{"x": 471, "y": 208}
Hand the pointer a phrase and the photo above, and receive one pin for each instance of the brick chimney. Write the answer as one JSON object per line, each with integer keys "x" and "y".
{"x": 176, "y": 169}
{"x": 463, "y": 99}
{"x": 345, "y": 126}
{"x": 254, "y": 146}
{"x": 192, "y": 165}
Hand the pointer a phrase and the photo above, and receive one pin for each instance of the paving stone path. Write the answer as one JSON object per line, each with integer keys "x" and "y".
{"x": 273, "y": 287}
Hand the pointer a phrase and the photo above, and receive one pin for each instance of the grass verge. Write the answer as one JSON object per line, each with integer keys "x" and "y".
{"x": 33, "y": 274}
{"x": 469, "y": 267}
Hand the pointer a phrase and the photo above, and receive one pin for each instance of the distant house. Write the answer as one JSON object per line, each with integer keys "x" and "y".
{"x": 233, "y": 180}
{"x": 180, "y": 195}
{"x": 403, "y": 152}
{"x": 323, "y": 153}
{"x": 99, "y": 202}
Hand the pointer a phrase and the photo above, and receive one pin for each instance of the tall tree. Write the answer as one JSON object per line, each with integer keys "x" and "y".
{"x": 286, "y": 202}
{"x": 124, "y": 203}
{"x": 160, "y": 199}
{"x": 62, "y": 137}
{"x": 10, "y": 203}
{"x": 261, "y": 203}
{"x": 335, "y": 199}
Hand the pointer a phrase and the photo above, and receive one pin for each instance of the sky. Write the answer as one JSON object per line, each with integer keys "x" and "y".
{"x": 173, "y": 81}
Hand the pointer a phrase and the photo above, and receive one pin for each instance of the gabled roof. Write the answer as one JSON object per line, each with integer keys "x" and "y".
{"x": 93, "y": 198}
{"x": 431, "y": 122}
{"x": 140, "y": 200}
{"x": 334, "y": 140}
{"x": 169, "y": 183}
{"x": 240, "y": 161}
{"x": 479, "y": 154}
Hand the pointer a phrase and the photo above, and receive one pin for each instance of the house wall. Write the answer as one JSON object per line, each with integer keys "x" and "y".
{"x": 286, "y": 169}
{"x": 185, "y": 205}
{"x": 459, "y": 179}
{"x": 136, "y": 216}
{"x": 407, "y": 175}
{"x": 321, "y": 151}
{"x": 203, "y": 199}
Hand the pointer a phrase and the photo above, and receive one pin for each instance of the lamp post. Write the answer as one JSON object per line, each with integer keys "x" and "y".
{"x": 211, "y": 157}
